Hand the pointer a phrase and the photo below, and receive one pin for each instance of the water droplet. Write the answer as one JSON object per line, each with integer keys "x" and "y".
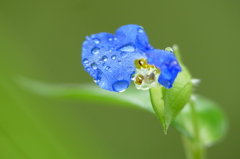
{"x": 132, "y": 76}
{"x": 96, "y": 41}
{"x": 115, "y": 38}
{"x": 120, "y": 86}
{"x": 113, "y": 57}
{"x": 97, "y": 80}
{"x": 169, "y": 49}
{"x": 107, "y": 68}
{"x": 94, "y": 66}
{"x": 140, "y": 30}
{"x": 110, "y": 39}
{"x": 119, "y": 62}
{"x": 93, "y": 36}
{"x": 127, "y": 48}
{"x": 104, "y": 58}
{"x": 166, "y": 83}
{"x": 95, "y": 50}
{"x": 88, "y": 68}
{"x": 85, "y": 61}
{"x": 88, "y": 38}
{"x": 173, "y": 63}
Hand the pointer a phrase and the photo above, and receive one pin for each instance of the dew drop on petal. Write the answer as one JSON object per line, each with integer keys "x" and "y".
{"x": 94, "y": 66}
{"x": 169, "y": 49}
{"x": 113, "y": 57}
{"x": 107, "y": 68}
{"x": 110, "y": 39}
{"x": 166, "y": 83}
{"x": 115, "y": 38}
{"x": 104, "y": 58}
{"x": 119, "y": 62}
{"x": 98, "y": 79}
{"x": 132, "y": 76}
{"x": 88, "y": 68}
{"x": 96, "y": 41}
{"x": 173, "y": 63}
{"x": 120, "y": 86}
{"x": 140, "y": 30}
{"x": 95, "y": 50}
{"x": 85, "y": 61}
{"x": 127, "y": 48}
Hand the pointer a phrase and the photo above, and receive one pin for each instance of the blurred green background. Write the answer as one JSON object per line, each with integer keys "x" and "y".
{"x": 42, "y": 40}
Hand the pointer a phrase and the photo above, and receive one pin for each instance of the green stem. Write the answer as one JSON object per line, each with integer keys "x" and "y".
{"x": 194, "y": 148}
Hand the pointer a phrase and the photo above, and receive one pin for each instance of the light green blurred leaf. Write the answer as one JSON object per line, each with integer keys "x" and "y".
{"x": 90, "y": 92}
{"x": 211, "y": 121}
{"x": 167, "y": 103}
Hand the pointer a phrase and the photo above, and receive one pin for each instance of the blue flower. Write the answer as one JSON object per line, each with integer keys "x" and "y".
{"x": 114, "y": 60}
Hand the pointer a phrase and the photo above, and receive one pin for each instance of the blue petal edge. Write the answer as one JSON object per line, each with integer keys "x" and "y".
{"x": 168, "y": 65}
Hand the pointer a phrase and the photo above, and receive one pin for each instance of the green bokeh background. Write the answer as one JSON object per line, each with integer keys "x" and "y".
{"x": 42, "y": 40}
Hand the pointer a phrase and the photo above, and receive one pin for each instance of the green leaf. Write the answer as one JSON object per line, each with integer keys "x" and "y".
{"x": 208, "y": 120}
{"x": 87, "y": 92}
{"x": 211, "y": 119}
{"x": 167, "y": 103}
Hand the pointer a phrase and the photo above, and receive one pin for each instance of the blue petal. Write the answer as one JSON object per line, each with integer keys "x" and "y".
{"x": 110, "y": 59}
{"x": 168, "y": 65}
{"x": 134, "y": 33}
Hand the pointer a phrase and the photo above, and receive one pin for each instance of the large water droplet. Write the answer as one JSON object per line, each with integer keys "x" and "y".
{"x": 104, "y": 58}
{"x": 96, "y": 41}
{"x": 169, "y": 49}
{"x": 113, "y": 57}
{"x": 95, "y": 50}
{"x": 85, "y": 61}
{"x": 107, "y": 68}
{"x": 120, "y": 86}
{"x": 127, "y": 48}
{"x": 94, "y": 66}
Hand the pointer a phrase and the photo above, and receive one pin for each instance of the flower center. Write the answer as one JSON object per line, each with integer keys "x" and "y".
{"x": 146, "y": 76}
